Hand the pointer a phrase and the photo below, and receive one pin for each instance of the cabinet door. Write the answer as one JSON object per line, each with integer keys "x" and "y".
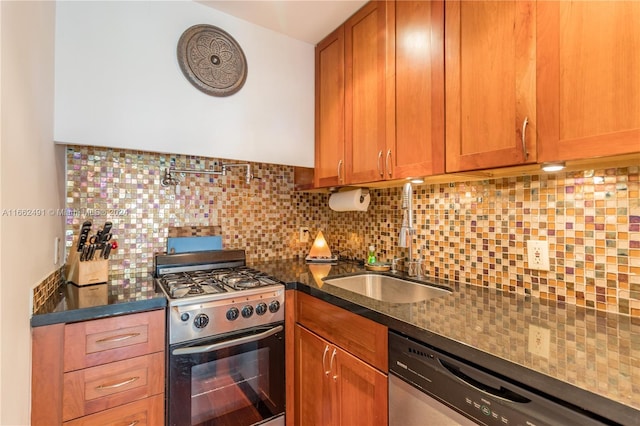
{"x": 588, "y": 78}
{"x": 490, "y": 84}
{"x": 329, "y": 144}
{"x": 361, "y": 391}
{"x": 313, "y": 393}
{"x": 365, "y": 45}
{"x": 415, "y": 89}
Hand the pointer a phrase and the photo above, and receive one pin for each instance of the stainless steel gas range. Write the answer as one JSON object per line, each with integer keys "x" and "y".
{"x": 225, "y": 329}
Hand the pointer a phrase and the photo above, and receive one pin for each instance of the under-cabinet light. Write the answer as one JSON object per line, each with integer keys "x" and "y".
{"x": 552, "y": 167}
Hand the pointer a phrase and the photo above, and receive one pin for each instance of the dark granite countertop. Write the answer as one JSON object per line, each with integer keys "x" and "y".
{"x": 121, "y": 295}
{"x": 594, "y": 356}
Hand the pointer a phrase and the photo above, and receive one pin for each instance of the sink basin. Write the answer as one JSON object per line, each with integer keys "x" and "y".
{"x": 386, "y": 288}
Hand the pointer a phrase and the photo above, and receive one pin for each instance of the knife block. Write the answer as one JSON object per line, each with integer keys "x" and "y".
{"x": 87, "y": 272}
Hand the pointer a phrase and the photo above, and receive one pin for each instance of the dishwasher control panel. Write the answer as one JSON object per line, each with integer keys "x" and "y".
{"x": 475, "y": 393}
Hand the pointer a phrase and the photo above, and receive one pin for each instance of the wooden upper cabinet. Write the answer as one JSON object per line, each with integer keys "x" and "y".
{"x": 588, "y": 79}
{"x": 490, "y": 84}
{"x": 365, "y": 47}
{"x": 329, "y": 144}
{"x": 415, "y": 89}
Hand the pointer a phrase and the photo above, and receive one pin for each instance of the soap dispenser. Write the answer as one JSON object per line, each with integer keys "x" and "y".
{"x": 371, "y": 257}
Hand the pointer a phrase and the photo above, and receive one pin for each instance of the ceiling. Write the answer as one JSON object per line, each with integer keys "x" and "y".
{"x": 306, "y": 20}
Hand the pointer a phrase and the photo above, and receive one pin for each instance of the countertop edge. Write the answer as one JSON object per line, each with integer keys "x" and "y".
{"x": 597, "y": 404}
{"x": 97, "y": 312}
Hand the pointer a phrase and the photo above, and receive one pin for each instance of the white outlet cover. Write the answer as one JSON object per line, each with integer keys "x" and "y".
{"x": 303, "y": 236}
{"x": 538, "y": 254}
{"x": 539, "y": 340}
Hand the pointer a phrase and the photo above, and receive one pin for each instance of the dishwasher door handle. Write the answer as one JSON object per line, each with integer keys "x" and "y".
{"x": 501, "y": 392}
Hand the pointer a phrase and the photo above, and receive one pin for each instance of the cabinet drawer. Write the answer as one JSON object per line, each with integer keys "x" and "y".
{"x": 91, "y": 343}
{"x": 146, "y": 412}
{"x": 106, "y": 386}
{"x": 360, "y": 336}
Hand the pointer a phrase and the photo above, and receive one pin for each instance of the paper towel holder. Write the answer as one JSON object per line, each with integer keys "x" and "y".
{"x": 365, "y": 191}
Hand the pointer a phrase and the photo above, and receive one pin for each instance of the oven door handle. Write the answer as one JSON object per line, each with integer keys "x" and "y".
{"x": 228, "y": 343}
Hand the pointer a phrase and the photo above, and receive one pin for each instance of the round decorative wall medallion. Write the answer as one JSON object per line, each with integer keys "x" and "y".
{"x": 212, "y": 60}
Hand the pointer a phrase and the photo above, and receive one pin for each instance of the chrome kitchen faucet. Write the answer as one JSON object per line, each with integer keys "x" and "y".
{"x": 407, "y": 231}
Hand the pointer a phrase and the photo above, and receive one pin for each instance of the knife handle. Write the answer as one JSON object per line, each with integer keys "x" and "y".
{"x": 103, "y": 234}
{"x": 84, "y": 233}
{"x": 106, "y": 251}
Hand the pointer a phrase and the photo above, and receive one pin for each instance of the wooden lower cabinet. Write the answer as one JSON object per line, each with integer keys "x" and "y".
{"x": 340, "y": 362}
{"x": 334, "y": 387}
{"x": 146, "y": 412}
{"x": 108, "y": 371}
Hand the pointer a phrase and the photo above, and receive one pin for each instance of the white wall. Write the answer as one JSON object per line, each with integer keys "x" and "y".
{"x": 118, "y": 84}
{"x": 31, "y": 170}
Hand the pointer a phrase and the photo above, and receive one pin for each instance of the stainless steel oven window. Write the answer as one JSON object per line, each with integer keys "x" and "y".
{"x": 236, "y": 380}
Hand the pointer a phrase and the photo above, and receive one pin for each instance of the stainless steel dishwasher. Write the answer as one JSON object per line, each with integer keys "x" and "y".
{"x": 428, "y": 387}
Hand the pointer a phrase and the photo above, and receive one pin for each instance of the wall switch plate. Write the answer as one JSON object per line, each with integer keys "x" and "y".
{"x": 56, "y": 250}
{"x": 538, "y": 255}
{"x": 304, "y": 234}
{"x": 539, "y": 340}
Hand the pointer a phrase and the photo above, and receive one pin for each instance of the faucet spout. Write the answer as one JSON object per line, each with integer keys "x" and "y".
{"x": 407, "y": 231}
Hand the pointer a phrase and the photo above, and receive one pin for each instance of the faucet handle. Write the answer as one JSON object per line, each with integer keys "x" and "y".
{"x": 394, "y": 264}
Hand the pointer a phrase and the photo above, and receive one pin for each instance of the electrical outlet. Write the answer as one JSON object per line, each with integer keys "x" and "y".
{"x": 539, "y": 340}
{"x": 538, "y": 255}
{"x": 304, "y": 234}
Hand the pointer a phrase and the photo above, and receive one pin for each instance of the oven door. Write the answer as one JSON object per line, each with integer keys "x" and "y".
{"x": 234, "y": 379}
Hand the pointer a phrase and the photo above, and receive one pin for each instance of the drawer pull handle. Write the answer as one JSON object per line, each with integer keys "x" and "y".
{"x": 118, "y": 338}
{"x": 117, "y": 385}
{"x": 134, "y": 423}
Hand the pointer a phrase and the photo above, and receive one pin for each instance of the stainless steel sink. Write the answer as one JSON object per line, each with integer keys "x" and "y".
{"x": 386, "y": 288}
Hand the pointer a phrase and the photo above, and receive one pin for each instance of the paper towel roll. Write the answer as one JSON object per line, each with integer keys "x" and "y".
{"x": 349, "y": 201}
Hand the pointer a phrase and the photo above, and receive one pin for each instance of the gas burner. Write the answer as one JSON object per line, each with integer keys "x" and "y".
{"x": 195, "y": 289}
{"x": 243, "y": 282}
{"x": 188, "y": 284}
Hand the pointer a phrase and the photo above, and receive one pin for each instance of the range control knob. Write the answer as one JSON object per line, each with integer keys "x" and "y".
{"x": 185, "y": 316}
{"x": 274, "y": 306}
{"x": 261, "y": 308}
{"x": 201, "y": 321}
{"x": 247, "y": 311}
{"x": 232, "y": 314}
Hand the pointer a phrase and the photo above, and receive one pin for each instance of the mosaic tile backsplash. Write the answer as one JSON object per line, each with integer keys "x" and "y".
{"x": 471, "y": 232}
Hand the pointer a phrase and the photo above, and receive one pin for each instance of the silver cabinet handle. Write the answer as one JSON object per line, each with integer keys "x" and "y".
{"x": 227, "y": 343}
{"x": 333, "y": 355}
{"x": 524, "y": 138}
{"x": 324, "y": 355}
{"x": 380, "y": 171}
{"x": 134, "y": 423}
{"x": 339, "y": 169}
{"x": 389, "y": 164}
{"x": 117, "y": 385}
{"x": 118, "y": 338}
